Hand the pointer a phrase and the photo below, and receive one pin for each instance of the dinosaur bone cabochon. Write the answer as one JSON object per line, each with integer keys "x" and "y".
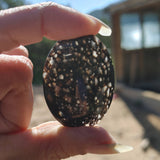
{"x": 78, "y": 81}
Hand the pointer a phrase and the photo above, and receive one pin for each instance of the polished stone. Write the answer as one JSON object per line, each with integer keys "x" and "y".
{"x": 78, "y": 80}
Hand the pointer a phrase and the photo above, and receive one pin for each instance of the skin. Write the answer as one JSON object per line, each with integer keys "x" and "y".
{"x": 27, "y": 25}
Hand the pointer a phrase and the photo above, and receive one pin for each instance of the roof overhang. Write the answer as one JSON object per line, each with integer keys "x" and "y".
{"x": 132, "y": 5}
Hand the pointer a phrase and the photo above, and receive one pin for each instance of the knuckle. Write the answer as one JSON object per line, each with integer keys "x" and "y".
{"x": 21, "y": 50}
{"x": 55, "y": 152}
{"x": 25, "y": 67}
{"x": 16, "y": 69}
{"x": 22, "y": 69}
{"x": 48, "y": 152}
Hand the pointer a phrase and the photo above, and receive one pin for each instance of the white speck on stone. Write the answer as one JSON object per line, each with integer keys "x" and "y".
{"x": 88, "y": 87}
{"x": 54, "y": 70}
{"x": 95, "y": 98}
{"x": 55, "y": 56}
{"x": 51, "y": 61}
{"x": 95, "y": 54}
{"x": 108, "y": 92}
{"x": 110, "y": 84}
{"x": 100, "y": 70}
{"x": 49, "y": 84}
{"x": 78, "y": 102}
{"x": 61, "y": 76}
{"x": 88, "y": 53}
{"x": 98, "y": 109}
{"x": 53, "y": 84}
{"x": 84, "y": 41}
{"x": 100, "y": 79}
{"x": 106, "y": 59}
{"x": 84, "y": 58}
{"x": 93, "y": 43}
{"x": 82, "y": 48}
{"x": 67, "y": 55}
{"x": 76, "y": 43}
{"x": 108, "y": 64}
{"x": 91, "y": 82}
{"x": 104, "y": 88}
{"x": 64, "y": 60}
{"x": 60, "y": 47}
{"x": 99, "y": 116}
{"x": 86, "y": 79}
{"x": 60, "y": 113}
{"x": 96, "y": 81}
{"x": 44, "y": 75}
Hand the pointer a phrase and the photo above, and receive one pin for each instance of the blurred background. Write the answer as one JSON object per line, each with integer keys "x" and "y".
{"x": 134, "y": 116}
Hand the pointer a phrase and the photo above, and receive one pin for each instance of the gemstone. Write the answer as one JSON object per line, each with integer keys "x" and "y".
{"x": 78, "y": 81}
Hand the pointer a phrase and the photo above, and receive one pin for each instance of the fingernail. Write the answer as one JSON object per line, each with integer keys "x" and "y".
{"x": 119, "y": 148}
{"x": 105, "y": 30}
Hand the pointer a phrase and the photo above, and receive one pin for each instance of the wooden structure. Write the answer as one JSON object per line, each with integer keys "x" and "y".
{"x": 135, "y": 66}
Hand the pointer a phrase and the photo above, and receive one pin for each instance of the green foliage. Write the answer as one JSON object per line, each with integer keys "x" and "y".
{"x": 4, "y": 4}
{"x": 38, "y": 53}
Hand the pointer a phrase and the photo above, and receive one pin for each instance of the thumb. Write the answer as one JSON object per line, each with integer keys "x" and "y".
{"x": 54, "y": 141}
{"x": 20, "y": 50}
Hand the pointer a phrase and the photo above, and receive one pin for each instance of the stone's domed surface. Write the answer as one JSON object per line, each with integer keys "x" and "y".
{"x": 78, "y": 80}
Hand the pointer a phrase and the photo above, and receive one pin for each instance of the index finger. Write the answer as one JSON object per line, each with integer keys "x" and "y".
{"x": 28, "y": 24}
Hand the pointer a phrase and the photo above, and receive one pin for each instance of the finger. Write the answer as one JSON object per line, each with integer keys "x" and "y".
{"x": 51, "y": 141}
{"x": 28, "y": 24}
{"x": 15, "y": 93}
{"x": 21, "y": 50}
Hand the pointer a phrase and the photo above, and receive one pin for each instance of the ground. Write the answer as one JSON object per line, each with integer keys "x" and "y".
{"x": 129, "y": 123}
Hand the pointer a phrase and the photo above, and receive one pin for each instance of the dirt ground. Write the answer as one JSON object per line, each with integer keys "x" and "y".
{"x": 129, "y": 123}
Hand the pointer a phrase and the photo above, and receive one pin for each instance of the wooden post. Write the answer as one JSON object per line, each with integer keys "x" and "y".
{"x": 133, "y": 69}
{"x": 116, "y": 47}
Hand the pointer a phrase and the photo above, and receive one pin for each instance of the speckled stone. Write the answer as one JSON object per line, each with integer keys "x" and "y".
{"x": 78, "y": 80}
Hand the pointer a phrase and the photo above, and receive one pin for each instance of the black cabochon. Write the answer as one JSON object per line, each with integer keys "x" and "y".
{"x": 78, "y": 81}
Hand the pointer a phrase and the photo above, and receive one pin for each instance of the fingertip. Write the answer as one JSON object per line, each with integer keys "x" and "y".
{"x": 104, "y": 136}
{"x": 54, "y": 21}
{"x": 60, "y": 22}
{"x": 71, "y": 141}
{"x": 103, "y": 29}
{"x": 84, "y": 140}
{"x": 21, "y": 51}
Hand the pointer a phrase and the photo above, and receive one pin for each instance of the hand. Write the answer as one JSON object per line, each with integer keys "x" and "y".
{"x": 22, "y": 26}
